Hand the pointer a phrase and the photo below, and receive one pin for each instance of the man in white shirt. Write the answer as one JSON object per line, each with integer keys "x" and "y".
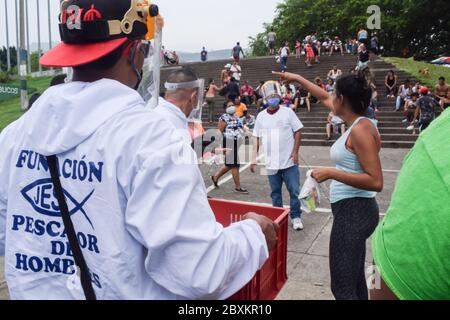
{"x": 334, "y": 73}
{"x": 141, "y": 217}
{"x": 236, "y": 71}
{"x": 278, "y": 128}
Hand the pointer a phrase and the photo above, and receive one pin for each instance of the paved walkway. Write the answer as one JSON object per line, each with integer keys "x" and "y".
{"x": 308, "y": 267}
{"x": 308, "y": 271}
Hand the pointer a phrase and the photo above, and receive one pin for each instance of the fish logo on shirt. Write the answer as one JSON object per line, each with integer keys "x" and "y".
{"x": 41, "y": 196}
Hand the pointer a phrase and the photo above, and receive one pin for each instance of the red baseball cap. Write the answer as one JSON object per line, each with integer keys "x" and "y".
{"x": 91, "y": 29}
{"x": 424, "y": 91}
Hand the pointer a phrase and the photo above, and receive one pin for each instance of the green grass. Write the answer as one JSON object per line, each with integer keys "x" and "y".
{"x": 10, "y": 109}
{"x": 413, "y": 67}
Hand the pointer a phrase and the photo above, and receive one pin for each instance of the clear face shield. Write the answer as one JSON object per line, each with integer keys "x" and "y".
{"x": 199, "y": 85}
{"x": 271, "y": 92}
{"x": 151, "y": 72}
{"x": 149, "y": 86}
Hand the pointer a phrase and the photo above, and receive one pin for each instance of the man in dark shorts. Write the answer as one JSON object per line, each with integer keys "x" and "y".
{"x": 204, "y": 55}
{"x": 236, "y": 52}
{"x": 271, "y": 38}
{"x": 426, "y": 109}
{"x": 440, "y": 90}
{"x": 232, "y": 90}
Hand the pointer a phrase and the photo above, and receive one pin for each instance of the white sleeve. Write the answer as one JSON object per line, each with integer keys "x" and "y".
{"x": 295, "y": 121}
{"x": 257, "y": 129}
{"x": 3, "y": 195}
{"x": 189, "y": 253}
{"x": 2, "y": 224}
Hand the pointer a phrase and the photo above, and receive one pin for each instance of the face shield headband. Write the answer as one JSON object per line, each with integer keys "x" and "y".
{"x": 271, "y": 92}
{"x": 196, "y": 114}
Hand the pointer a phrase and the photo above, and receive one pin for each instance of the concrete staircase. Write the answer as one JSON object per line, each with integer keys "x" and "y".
{"x": 393, "y": 132}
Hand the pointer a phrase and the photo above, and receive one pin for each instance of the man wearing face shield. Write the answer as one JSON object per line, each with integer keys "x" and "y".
{"x": 142, "y": 221}
{"x": 278, "y": 129}
{"x": 183, "y": 101}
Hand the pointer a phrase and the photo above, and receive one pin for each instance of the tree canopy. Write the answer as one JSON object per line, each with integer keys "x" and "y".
{"x": 419, "y": 28}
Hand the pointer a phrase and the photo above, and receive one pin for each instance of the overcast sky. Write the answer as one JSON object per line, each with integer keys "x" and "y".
{"x": 216, "y": 24}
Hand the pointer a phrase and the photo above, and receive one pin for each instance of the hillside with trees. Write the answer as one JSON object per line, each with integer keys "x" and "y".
{"x": 419, "y": 28}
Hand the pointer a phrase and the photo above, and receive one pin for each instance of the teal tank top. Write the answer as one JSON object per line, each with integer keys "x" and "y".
{"x": 347, "y": 161}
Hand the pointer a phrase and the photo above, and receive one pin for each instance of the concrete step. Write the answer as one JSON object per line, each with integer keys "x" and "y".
{"x": 314, "y": 117}
{"x": 384, "y": 137}
{"x": 384, "y": 144}
{"x": 394, "y": 134}
{"x": 383, "y": 130}
{"x": 389, "y": 124}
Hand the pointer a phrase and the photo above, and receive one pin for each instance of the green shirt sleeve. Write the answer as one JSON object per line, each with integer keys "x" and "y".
{"x": 411, "y": 246}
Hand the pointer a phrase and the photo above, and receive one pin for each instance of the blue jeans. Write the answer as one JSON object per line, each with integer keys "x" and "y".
{"x": 399, "y": 103}
{"x": 284, "y": 61}
{"x": 291, "y": 178}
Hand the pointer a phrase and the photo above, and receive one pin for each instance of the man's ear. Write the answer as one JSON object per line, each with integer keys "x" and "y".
{"x": 194, "y": 97}
{"x": 341, "y": 99}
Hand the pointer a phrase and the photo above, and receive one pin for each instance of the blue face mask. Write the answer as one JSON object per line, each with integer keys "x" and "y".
{"x": 273, "y": 102}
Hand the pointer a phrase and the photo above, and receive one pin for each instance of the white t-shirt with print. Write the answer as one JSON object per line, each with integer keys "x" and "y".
{"x": 277, "y": 134}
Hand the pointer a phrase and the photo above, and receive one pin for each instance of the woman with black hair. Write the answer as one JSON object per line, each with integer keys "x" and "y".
{"x": 356, "y": 180}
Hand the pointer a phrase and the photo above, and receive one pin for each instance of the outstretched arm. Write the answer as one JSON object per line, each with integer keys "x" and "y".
{"x": 312, "y": 88}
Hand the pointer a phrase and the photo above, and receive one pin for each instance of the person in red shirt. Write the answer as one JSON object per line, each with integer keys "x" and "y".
{"x": 319, "y": 83}
{"x": 247, "y": 93}
{"x": 309, "y": 54}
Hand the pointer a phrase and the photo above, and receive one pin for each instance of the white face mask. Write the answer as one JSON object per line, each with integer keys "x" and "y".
{"x": 196, "y": 114}
{"x": 231, "y": 110}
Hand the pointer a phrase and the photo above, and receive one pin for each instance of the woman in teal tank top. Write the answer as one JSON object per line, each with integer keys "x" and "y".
{"x": 357, "y": 178}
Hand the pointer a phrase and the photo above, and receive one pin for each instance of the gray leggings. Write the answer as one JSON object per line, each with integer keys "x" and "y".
{"x": 355, "y": 220}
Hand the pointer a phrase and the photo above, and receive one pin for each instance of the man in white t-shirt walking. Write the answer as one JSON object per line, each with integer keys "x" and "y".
{"x": 278, "y": 128}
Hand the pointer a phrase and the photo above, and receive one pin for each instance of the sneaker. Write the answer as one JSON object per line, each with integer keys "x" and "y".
{"x": 405, "y": 121}
{"x": 297, "y": 224}
{"x": 241, "y": 191}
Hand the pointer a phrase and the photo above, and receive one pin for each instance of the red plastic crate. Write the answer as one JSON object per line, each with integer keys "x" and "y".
{"x": 269, "y": 281}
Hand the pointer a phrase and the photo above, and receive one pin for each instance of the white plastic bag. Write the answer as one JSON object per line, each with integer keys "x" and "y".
{"x": 310, "y": 194}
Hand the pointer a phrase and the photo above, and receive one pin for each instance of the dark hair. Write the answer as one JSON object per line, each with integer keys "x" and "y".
{"x": 211, "y": 81}
{"x": 107, "y": 61}
{"x": 33, "y": 99}
{"x": 59, "y": 79}
{"x": 415, "y": 94}
{"x": 356, "y": 90}
{"x": 442, "y": 79}
{"x": 407, "y": 81}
